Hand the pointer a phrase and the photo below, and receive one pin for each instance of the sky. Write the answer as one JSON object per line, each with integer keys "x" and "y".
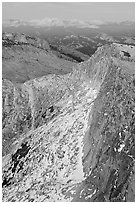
{"x": 104, "y": 11}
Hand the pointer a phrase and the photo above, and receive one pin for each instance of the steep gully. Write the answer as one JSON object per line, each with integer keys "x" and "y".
{"x": 82, "y": 147}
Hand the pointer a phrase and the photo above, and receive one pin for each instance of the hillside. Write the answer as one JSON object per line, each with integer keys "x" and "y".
{"x": 25, "y": 57}
{"x": 71, "y": 137}
{"x": 69, "y": 53}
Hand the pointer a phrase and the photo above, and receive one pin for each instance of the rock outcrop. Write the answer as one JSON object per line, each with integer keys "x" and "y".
{"x": 73, "y": 134}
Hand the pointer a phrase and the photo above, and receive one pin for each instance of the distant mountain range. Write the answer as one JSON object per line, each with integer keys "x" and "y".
{"x": 49, "y": 22}
{"x": 82, "y": 36}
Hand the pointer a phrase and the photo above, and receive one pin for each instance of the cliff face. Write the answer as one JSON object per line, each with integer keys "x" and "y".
{"x": 109, "y": 142}
{"x": 74, "y": 140}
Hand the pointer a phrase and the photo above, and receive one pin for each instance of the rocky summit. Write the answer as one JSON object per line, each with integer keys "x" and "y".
{"x": 71, "y": 137}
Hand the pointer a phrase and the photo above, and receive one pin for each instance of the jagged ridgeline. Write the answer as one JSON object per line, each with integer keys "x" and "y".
{"x": 27, "y": 106}
{"x": 71, "y": 137}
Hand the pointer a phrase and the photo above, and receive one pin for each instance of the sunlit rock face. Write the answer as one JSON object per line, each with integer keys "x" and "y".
{"x": 79, "y": 142}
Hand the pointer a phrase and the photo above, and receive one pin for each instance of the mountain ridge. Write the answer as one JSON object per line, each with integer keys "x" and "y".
{"x": 87, "y": 133}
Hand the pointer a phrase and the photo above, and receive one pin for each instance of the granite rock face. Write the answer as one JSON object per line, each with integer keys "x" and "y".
{"x": 74, "y": 140}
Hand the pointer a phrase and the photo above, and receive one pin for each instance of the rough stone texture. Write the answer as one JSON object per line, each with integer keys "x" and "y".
{"x": 111, "y": 153}
{"x": 85, "y": 152}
